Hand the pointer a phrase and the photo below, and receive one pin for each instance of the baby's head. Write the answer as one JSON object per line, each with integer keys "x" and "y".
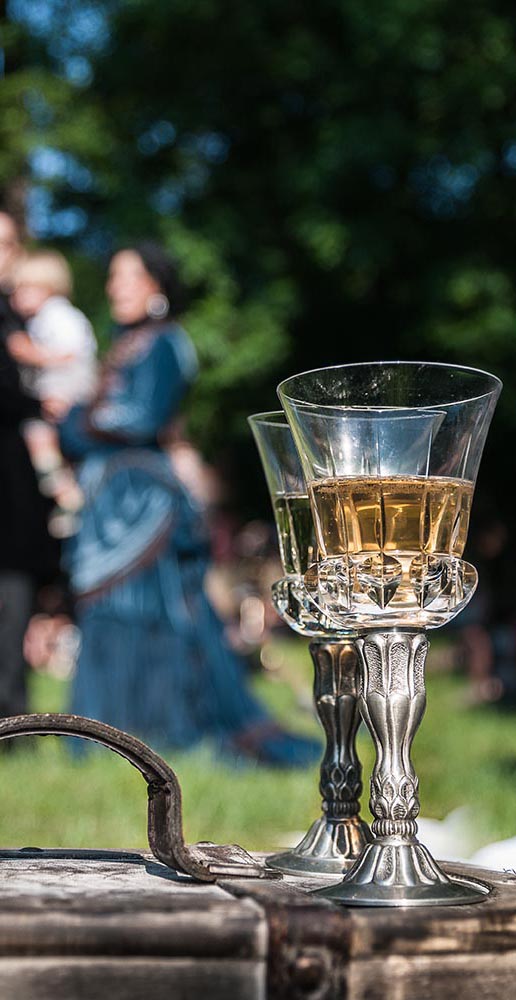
{"x": 40, "y": 275}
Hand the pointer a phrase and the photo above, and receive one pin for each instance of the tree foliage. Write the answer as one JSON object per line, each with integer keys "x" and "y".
{"x": 337, "y": 179}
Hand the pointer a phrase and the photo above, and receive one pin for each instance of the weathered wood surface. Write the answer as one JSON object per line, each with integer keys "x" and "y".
{"x": 88, "y": 925}
{"x": 324, "y": 952}
{"x": 129, "y": 979}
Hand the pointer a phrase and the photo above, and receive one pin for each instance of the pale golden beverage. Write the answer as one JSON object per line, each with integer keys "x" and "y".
{"x": 295, "y": 532}
{"x": 396, "y": 514}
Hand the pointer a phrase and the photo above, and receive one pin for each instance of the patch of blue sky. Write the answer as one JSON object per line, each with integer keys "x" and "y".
{"x": 78, "y": 70}
{"x": 444, "y": 188}
{"x": 69, "y": 27}
{"x": 158, "y": 136}
{"x": 509, "y": 157}
{"x": 46, "y": 221}
{"x": 213, "y": 147}
{"x": 48, "y": 164}
{"x": 38, "y": 107}
{"x": 168, "y": 198}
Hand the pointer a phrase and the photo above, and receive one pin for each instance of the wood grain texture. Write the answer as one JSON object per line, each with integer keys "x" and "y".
{"x": 449, "y": 977}
{"x": 120, "y": 905}
{"x": 130, "y": 979}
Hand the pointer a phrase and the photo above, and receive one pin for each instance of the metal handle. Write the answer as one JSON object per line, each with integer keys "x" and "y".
{"x": 164, "y": 818}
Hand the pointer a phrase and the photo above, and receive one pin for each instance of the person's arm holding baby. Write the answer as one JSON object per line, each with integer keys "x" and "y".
{"x": 25, "y": 352}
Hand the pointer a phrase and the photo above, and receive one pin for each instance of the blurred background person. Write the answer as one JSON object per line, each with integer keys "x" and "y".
{"x": 153, "y": 659}
{"x": 57, "y": 355}
{"x": 11, "y": 252}
{"x": 244, "y": 559}
{"x": 28, "y": 556}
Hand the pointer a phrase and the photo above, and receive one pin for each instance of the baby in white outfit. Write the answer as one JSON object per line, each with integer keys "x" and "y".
{"x": 58, "y": 351}
{"x": 56, "y": 354}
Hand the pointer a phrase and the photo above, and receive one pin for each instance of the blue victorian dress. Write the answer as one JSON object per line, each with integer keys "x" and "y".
{"x": 153, "y": 658}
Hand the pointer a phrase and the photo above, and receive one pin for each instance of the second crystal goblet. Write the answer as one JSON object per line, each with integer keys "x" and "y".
{"x": 335, "y": 840}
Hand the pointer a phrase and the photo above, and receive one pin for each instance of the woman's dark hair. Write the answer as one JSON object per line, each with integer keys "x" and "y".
{"x": 163, "y": 269}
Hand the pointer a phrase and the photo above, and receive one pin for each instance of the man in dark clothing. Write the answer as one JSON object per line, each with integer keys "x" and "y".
{"x": 10, "y": 250}
{"x": 28, "y": 556}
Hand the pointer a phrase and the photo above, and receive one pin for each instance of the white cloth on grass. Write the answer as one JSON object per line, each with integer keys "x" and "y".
{"x": 500, "y": 855}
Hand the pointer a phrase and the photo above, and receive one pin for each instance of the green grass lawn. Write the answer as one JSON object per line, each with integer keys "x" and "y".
{"x": 463, "y": 756}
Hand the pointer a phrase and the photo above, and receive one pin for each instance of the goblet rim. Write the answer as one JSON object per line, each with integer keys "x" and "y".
{"x": 260, "y": 418}
{"x": 495, "y": 389}
{"x": 397, "y": 412}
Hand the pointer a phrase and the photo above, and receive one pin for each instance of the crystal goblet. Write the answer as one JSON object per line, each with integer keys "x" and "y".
{"x": 390, "y": 452}
{"x": 335, "y": 840}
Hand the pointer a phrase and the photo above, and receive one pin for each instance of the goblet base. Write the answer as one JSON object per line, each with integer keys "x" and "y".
{"x": 391, "y": 873}
{"x": 330, "y": 847}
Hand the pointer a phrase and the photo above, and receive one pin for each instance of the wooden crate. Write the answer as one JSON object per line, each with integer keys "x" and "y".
{"x": 79, "y": 925}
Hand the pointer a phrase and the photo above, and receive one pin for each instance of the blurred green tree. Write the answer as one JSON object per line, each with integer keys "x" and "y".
{"x": 337, "y": 180}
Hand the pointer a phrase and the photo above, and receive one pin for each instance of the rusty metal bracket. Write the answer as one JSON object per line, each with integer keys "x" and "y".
{"x": 204, "y": 861}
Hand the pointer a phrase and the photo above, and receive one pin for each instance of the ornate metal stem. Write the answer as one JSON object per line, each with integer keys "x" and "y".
{"x": 336, "y": 690}
{"x": 393, "y": 701}
{"x": 396, "y": 869}
{"x": 334, "y": 841}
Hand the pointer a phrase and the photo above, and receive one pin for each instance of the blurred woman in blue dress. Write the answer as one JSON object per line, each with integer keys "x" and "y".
{"x": 153, "y": 659}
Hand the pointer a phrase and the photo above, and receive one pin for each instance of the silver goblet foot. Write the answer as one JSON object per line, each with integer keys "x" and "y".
{"x": 396, "y": 869}
{"x": 335, "y": 841}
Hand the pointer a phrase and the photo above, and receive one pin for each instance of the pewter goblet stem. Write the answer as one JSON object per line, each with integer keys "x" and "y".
{"x": 396, "y": 868}
{"x": 336, "y": 839}
{"x": 336, "y": 699}
{"x": 393, "y": 701}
